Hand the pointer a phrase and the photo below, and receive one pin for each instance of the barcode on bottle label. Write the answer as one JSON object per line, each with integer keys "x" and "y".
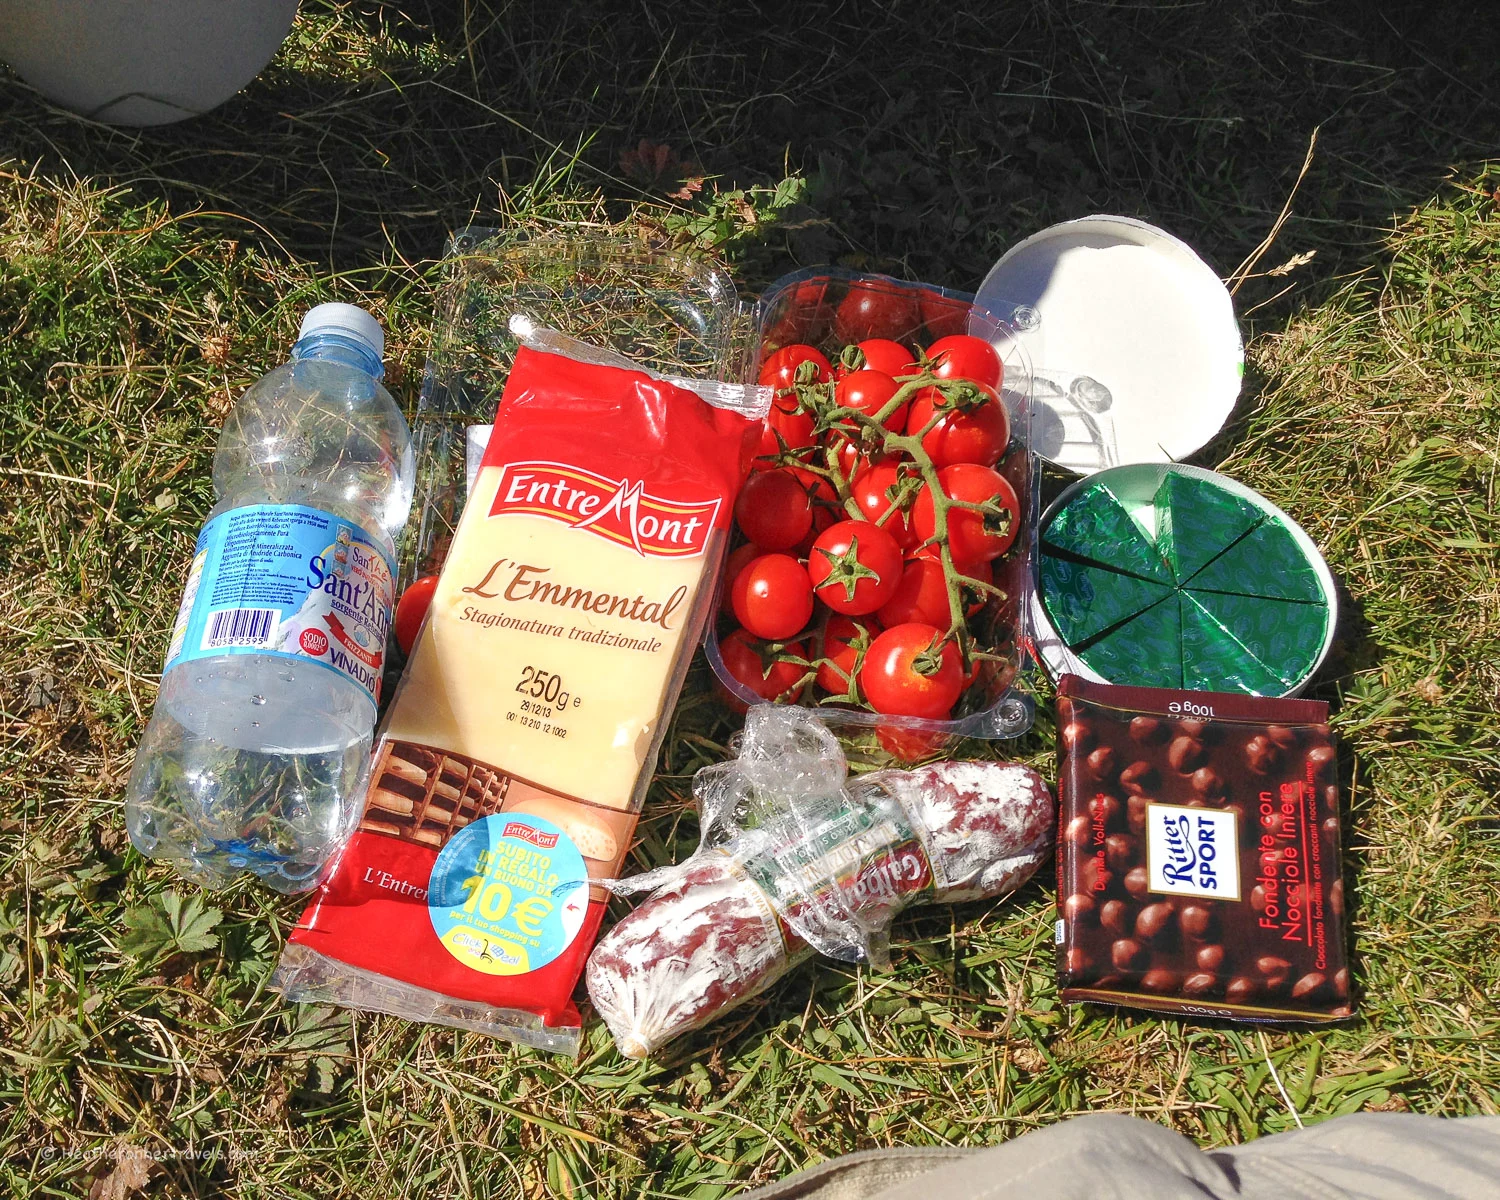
{"x": 240, "y": 627}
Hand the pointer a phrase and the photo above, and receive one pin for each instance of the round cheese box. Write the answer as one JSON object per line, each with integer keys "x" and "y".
{"x": 1173, "y": 576}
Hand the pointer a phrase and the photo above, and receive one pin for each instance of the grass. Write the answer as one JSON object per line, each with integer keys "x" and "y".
{"x": 147, "y": 277}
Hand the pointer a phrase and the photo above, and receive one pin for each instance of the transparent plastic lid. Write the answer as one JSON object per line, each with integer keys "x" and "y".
{"x": 665, "y": 311}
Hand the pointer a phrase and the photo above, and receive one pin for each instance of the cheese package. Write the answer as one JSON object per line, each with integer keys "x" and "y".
{"x": 520, "y": 743}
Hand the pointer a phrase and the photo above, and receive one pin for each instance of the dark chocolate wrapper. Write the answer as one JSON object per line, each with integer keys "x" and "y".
{"x": 1198, "y": 855}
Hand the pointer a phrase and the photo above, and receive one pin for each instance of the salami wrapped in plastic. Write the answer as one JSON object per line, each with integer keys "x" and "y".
{"x": 796, "y": 859}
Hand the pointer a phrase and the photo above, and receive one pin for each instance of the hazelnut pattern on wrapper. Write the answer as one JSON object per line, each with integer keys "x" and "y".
{"x": 1245, "y": 924}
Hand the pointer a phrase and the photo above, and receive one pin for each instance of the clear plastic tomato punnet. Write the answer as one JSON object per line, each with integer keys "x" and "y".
{"x": 801, "y": 307}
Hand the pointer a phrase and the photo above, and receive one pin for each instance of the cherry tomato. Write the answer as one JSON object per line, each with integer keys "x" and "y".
{"x": 738, "y": 559}
{"x": 984, "y": 572}
{"x": 853, "y": 458}
{"x": 921, "y": 596}
{"x": 943, "y": 315}
{"x": 978, "y": 435}
{"x": 411, "y": 609}
{"x": 910, "y": 745}
{"x": 963, "y": 357}
{"x": 773, "y": 680}
{"x": 773, "y": 510}
{"x": 910, "y": 670}
{"x": 772, "y": 597}
{"x": 855, "y": 567}
{"x": 826, "y": 508}
{"x": 780, "y": 369}
{"x": 872, "y": 309}
{"x": 842, "y": 647}
{"x": 880, "y": 354}
{"x": 972, "y": 536}
{"x": 869, "y": 392}
{"x": 794, "y": 426}
{"x": 874, "y": 489}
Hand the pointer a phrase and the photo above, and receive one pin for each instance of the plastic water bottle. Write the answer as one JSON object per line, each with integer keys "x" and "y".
{"x": 258, "y": 752}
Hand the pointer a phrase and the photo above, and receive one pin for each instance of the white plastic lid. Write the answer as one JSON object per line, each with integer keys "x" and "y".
{"x": 347, "y": 321}
{"x": 1136, "y": 353}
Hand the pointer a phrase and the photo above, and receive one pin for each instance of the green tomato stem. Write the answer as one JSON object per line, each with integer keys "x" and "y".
{"x": 818, "y": 400}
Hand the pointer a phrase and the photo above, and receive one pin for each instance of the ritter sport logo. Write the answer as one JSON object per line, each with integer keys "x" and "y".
{"x": 1192, "y": 851}
{"x": 616, "y": 509}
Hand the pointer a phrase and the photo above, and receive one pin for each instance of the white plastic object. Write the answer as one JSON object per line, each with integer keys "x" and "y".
{"x": 1136, "y": 353}
{"x": 141, "y": 62}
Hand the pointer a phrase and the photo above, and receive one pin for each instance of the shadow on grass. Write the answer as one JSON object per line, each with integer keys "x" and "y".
{"x": 933, "y": 138}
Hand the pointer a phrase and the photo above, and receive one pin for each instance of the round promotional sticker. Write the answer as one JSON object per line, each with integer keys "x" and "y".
{"x": 508, "y": 894}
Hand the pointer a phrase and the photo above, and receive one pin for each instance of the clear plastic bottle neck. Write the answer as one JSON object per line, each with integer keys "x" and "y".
{"x": 334, "y": 347}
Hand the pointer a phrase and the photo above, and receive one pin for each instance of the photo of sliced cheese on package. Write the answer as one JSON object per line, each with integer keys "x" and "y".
{"x": 519, "y": 746}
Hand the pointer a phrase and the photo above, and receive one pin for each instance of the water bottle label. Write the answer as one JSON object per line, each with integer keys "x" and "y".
{"x": 292, "y": 581}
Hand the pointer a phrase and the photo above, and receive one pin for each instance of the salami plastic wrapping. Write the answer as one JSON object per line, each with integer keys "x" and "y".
{"x": 795, "y": 858}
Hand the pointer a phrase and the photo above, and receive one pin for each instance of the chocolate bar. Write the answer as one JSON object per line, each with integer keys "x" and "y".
{"x": 1198, "y": 860}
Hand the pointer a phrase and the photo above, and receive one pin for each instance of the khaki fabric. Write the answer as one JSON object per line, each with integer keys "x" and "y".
{"x": 1369, "y": 1156}
{"x": 857, "y": 1176}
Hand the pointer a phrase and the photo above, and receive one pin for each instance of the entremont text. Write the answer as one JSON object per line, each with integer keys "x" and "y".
{"x": 616, "y": 509}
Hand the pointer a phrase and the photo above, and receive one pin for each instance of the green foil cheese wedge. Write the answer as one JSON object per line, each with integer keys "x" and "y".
{"x": 1144, "y": 651}
{"x": 1094, "y": 526}
{"x": 1197, "y": 519}
{"x": 1083, "y": 600}
{"x": 1214, "y": 661}
{"x": 1284, "y": 636}
{"x": 1266, "y": 562}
